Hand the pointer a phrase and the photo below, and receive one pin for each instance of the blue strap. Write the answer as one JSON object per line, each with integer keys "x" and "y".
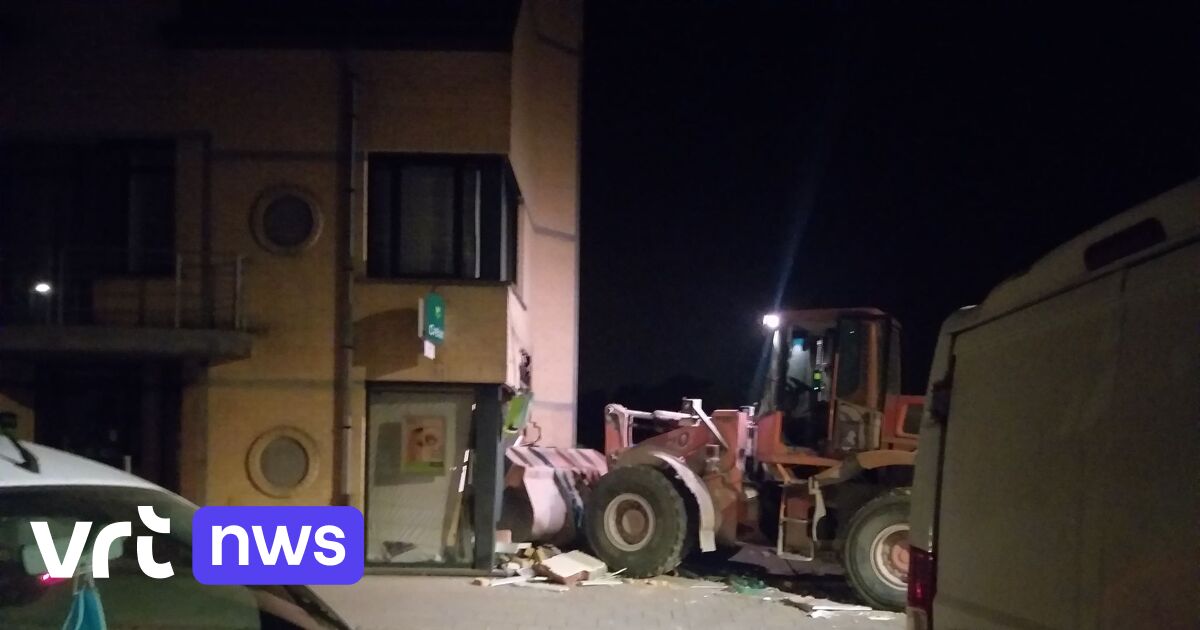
{"x": 86, "y": 613}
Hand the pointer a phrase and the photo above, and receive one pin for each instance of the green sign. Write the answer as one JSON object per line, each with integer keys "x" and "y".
{"x": 433, "y": 318}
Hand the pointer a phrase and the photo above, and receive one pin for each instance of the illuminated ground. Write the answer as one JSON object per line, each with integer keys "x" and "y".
{"x": 452, "y": 603}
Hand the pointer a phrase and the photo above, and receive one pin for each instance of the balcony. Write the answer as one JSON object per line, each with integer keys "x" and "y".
{"x": 123, "y": 302}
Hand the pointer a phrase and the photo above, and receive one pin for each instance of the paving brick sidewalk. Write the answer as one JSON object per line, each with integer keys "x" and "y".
{"x": 452, "y": 603}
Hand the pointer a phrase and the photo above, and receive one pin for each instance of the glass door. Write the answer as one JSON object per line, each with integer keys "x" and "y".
{"x": 419, "y": 505}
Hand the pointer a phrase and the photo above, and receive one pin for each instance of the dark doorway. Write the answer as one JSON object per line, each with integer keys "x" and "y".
{"x": 122, "y": 413}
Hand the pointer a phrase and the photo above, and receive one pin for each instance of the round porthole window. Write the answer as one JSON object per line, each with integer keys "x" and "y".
{"x": 286, "y": 220}
{"x": 282, "y": 461}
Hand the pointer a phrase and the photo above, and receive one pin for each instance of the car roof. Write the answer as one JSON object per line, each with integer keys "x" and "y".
{"x": 59, "y": 468}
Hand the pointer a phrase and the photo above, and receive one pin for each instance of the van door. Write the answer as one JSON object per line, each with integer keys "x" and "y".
{"x": 1030, "y": 388}
{"x": 1148, "y": 561}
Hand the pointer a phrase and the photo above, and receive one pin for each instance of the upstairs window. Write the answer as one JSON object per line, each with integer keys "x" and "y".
{"x": 72, "y": 212}
{"x": 440, "y": 216}
{"x": 106, "y": 206}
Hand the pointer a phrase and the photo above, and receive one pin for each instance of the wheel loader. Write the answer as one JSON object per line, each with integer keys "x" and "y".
{"x": 818, "y": 470}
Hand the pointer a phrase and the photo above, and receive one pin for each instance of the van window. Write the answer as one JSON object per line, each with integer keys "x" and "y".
{"x": 1133, "y": 239}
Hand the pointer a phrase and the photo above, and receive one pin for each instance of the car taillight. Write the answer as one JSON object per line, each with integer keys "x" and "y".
{"x": 922, "y": 585}
{"x": 46, "y": 580}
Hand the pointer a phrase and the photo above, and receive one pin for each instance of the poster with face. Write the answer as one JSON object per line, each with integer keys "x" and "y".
{"x": 424, "y": 444}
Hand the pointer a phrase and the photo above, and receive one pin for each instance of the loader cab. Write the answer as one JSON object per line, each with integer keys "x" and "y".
{"x": 829, "y": 374}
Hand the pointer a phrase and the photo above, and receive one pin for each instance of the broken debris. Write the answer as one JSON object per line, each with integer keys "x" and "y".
{"x": 516, "y": 579}
{"x": 542, "y": 586}
{"x": 821, "y": 608}
{"x": 513, "y": 558}
{"x": 812, "y": 604}
{"x": 526, "y": 565}
{"x": 746, "y": 584}
{"x": 602, "y": 581}
{"x": 571, "y": 567}
{"x": 543, "y": 553}
{"x": 512, "y": 548}
{"x": 394, "y": 548}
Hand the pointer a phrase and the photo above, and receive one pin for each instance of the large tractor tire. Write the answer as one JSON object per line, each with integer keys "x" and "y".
{"x": 876, "y": 550}
{"x": 637, "y": 520}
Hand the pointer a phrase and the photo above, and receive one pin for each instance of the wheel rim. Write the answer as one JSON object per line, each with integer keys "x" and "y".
{"x": 889, "y": 555}
{"x": 629, "y": 522}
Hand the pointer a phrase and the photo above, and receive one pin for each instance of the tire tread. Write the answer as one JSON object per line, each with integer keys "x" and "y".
{"x": 660, "y": 559}
{"x": 880, "y": 504}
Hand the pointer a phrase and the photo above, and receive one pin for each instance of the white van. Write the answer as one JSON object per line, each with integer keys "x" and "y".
{"x": 1057, "y": 483}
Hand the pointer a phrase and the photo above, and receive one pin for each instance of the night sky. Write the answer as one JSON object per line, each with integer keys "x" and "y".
{"x": 740, "y": 155}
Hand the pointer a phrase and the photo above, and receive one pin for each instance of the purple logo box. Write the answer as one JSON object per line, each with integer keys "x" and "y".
{"x": 277, "y": 545}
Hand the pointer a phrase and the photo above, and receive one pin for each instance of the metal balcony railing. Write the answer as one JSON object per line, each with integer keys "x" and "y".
{"x": 125, "y": 288}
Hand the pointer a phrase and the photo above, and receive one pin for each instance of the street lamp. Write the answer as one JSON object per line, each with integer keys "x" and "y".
{"x": 771, "y": 320}
{"x": 43, "y": 288}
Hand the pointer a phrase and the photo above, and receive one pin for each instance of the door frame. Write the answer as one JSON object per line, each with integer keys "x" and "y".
{"x": 486, "y": 423}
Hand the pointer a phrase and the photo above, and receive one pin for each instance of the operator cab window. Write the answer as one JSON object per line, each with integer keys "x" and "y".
{"x": 803, "y": 402}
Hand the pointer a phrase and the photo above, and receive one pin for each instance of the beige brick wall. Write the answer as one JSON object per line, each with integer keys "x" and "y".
{"x": 545, "y": 158}
{"x": 269, "y": 118}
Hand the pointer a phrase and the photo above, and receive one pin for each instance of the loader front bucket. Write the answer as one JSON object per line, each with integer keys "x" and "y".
{"x": 545, "y": 490}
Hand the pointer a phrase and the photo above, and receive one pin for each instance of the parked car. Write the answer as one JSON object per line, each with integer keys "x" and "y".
{"x": 43, "y": 484}
{"x": 1056, "y": 483}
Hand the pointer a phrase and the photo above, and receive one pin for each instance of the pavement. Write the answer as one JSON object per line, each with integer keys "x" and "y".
{"x": 380, "y": 602}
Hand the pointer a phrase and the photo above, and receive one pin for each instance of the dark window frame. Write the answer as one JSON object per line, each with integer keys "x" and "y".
{"x": 851, "y": 349}
{"x": 101, "y": 170}
{"x": 495, "y": 245}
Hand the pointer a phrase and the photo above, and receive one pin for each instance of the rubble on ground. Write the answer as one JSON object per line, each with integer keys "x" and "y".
{"x": 514, "y": 558}
{"x": 543, "y": 586}
{"x": 571, "y": 567}
{"x": 546, "y": 567}
{"x": 746, "y": 585}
